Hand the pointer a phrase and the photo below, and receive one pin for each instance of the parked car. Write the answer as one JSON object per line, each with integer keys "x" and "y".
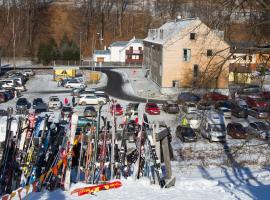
{"x": 103, "y": 95}
{"x": 194, "y": 119}
{"x": 188, "y": 97}
{"x": 239, "y": 111}
{"x": 259, "y": 129}
{"x": 54, "y": 103}
{"x": 117, "y": 109}
{"x": 249, "y": 90}
{"x": 90, "y": 100}
{"x": 224, "y": 107}
{"x": 204, "y": 105}
{"x": 213, "y": 126}
{"x": 3, "y": 113}
{"x": 256, "y": 101}
{"x": 236, "y": 131}
{"x": 215, "y": 96}
{"x": 66, "y": 112}
{"x": 28, "y": 72}
{"x": 259, "y": 113}
{"x": 170, "y": 107}
{"x": 74, "y": 83}
{"x": 3, "y": 97}
{"x": 22, "y": 103}
{"x": 189, "y": 107}
{"x": 90, "y": 111}
{"x": 9, "y": 94}
{"x": 152, "y": 109}
{"x": 19, "y": 87}
{"x": 186, "y": 134}
{"x": 40, "y": 108}
{"x": 37, "y": 101}
{"x": 132, "y": 109}
{"x": 77, "y": 92}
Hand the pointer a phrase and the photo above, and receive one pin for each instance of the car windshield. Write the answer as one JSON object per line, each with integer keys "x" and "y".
{"x": 89, "y": 109}
{"x": 187, "y": 131}
{"x": 254, "y": 90}
{"x": 54, "y": 99}
{"x": 172, "y": 105}
{"x": 38, "y": 100}
{"x": 217, "y": 127}
{"x": 192, "y": 116}
{"x": 152, "y": 105}
{"x": 224, "y": 104}
{"x": 66, "y": 109}
{"x": 21, "y": 101}
{"x": 262, "y": 126}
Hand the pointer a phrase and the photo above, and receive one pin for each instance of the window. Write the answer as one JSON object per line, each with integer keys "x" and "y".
{"x": 250, "y": 58}
{"x": 186, "y": 54}
{"x": 234, "y": 57}
{"x": 195, "y": 71}
{"x": 209, "y": 52}
{"x": 175, "y": 84}
{"x": 192, "y": 36}
{"x": 244, "y": 57}
{"x": 140, "y": 48}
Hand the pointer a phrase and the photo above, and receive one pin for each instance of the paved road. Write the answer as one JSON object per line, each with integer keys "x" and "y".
{"x": 114, "y": 88}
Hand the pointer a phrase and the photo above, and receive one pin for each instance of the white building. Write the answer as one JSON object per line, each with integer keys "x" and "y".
{"x": 122, "y": 52}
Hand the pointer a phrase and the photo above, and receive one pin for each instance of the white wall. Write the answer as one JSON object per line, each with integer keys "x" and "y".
{"x": 115, "y": 54}
{"x": 107, "y": 57}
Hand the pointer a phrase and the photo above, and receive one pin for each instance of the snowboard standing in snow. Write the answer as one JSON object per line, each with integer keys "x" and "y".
{"x": 74, "y": 122}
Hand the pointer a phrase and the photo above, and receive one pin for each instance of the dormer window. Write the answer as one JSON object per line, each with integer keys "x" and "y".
{"x": 192, "y": 36}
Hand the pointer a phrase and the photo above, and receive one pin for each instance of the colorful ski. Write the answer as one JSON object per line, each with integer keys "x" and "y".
{"x": 96, "y": 188}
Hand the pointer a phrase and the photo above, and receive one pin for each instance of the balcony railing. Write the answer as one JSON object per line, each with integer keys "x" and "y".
{"x": 133, "y": 52}
{"x": 130, "y": 60}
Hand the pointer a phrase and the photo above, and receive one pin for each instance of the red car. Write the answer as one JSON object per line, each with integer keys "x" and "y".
{"x": 215, "y": 96}
{"x": 117, "y": 109}
{"x": 256, "y": 102}
{"x": 152, "y": 109}
{"x": 265, "y": 95}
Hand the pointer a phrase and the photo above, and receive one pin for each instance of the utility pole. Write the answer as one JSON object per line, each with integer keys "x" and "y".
{"x": 80, "y": 48}
{"x": 14, "y": 44}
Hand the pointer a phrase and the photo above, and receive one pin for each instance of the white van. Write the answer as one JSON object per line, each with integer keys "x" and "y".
{"x": 8, "y": 83}
{"x": 213, "y": 126}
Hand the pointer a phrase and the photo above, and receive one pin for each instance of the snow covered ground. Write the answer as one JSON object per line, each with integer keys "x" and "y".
{"x": 191, "y": 182}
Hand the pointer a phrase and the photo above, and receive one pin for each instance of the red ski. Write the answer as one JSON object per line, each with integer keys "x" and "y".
{"x": 97, "y": 188}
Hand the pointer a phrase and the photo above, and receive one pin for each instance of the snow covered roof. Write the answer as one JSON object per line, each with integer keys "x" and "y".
{"x": 119, "y": 43}
{"x": 168, "y": 30}
{"x": 102, "y": 52}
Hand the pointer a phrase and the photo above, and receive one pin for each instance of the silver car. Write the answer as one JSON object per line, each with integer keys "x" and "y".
{"x": 259, "y": 129}
{"x": 258, "y": 113}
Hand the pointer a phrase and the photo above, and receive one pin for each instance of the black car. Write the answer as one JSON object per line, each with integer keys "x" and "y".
{"x": 90, "y": 111}
{"x": 186, "y": 134}
{"x": 238, "y": 111}
{"x": 40, "y": 110}
{"x": 9, "y": 94}
{"x": 36, "y": 102}
{"x": 3, "y": 112}
{"x": 188, "y": 97}
{"x": 170, "y": 107}
{"x": 22, "y": 103}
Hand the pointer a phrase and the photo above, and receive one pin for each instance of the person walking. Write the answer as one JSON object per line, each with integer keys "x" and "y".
{"x": 73, "y": 101}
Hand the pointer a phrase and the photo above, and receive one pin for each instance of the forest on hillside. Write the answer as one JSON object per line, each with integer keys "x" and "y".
{"x": 26, "y": 24}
